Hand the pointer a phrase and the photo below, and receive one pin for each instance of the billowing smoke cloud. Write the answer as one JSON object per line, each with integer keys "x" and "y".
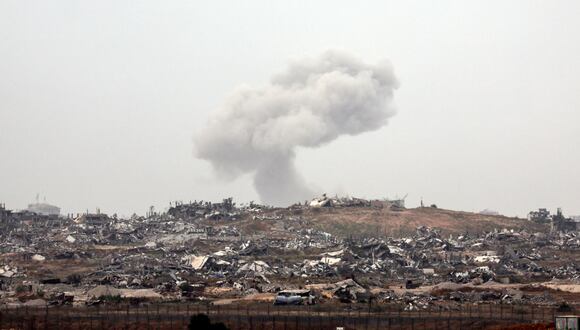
{"x": 312, "y": 103}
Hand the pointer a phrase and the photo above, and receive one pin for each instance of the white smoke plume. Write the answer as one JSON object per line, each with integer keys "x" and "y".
{"x": 312, "y": 103}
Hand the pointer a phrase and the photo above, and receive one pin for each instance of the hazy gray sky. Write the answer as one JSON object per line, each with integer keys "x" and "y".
{"x": 100, "y": 100}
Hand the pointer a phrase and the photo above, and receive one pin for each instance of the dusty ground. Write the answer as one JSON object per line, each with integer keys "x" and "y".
{"x": 395, "y": 223}
{"x": 372, "y": 221}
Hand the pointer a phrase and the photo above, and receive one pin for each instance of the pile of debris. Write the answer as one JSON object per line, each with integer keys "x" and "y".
{"x": 200, "y": 250}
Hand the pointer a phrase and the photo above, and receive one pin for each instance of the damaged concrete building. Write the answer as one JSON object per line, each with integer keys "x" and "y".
{"x": 223, "y": 252}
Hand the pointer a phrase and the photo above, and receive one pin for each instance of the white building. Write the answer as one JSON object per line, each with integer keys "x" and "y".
{"x": 43, "y": 209}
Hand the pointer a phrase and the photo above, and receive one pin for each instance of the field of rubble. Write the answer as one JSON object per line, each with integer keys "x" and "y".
{"x": 350, "y": 253}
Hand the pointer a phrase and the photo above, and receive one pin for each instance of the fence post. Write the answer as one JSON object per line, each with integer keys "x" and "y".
{"x": 239, "y": 318}
{"x": 107, "y": 311}
{"x": 32, "y": 322}
{"x": 295, "y": 322}
{"x": 99, "y": 316}
{"x": 138, "y": 307}
{"x": 171, "y": 317}
{"x": 25, "y": 318}
{"x": 9, "y": 317}
{"x": 90, "y": 315}
{"x": 148, "y": 319}
{"x": 187, "y": 316}
{"x": 512, "y": 312}
{"x": 309, "y": 319}
{"x": 179, "y": 316}
{"x": 469, "y": 310}
{"x": 158, "y": 318}
{"x": 127, "y": 318}
{"x": 367, "y": 322}
{"x": 46, "y": 317}
{"x": 57, "y": 319}
{"x": 184, "y": 319}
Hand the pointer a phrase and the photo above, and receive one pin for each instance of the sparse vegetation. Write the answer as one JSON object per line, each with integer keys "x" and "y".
{"x": 21, "y": 288}
{"x": 115, "y": 299}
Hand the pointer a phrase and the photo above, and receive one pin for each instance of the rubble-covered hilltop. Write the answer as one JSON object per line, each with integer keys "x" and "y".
{"x": 348, "y": 250}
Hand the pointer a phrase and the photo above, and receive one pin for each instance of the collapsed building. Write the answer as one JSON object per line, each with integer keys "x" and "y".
{"x": 203, "y": 250}
{"x": 197, "y": 210}
{"x": 25, "y": 216}
{"x": 325, "y": 201}
{"x": 92, "y": 219}
{"x": 5, "y": 214}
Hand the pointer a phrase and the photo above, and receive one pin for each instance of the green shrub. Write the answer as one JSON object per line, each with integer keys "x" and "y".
{"x": 111, "y": 298}
{"x": 21, "y": 288}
